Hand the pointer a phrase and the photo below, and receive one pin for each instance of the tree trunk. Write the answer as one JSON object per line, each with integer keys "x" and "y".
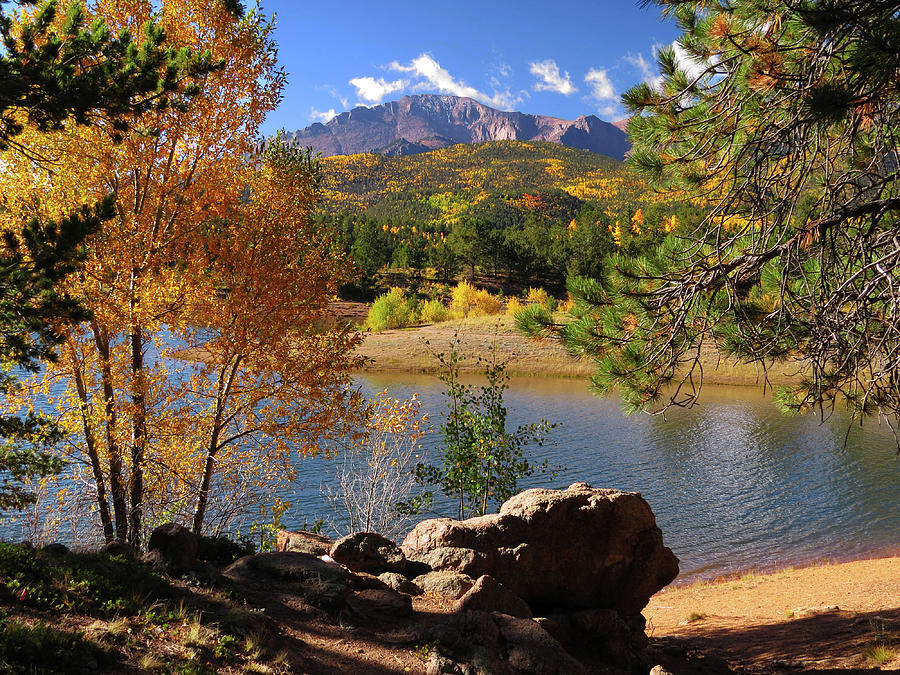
{"x": 222, "y": 394}
{"x": 138, "y": 436}
{"x": 116, "y": 482}
{"x": 90, "y": 441}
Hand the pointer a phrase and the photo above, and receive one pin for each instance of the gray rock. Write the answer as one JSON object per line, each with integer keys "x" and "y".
{"x": 285, "y": 565}
{"x": 468, "y": 642}
{"x": 360, "y": 581}
{"x": 322, "y": 584}
{"x": 488, "y": 595}
{"x": 118, "y": 547}
{"x": 55, "y": 550}
{"x": 368, "y": 552}
{"x": 399, "y": 583}
{"x": 447, "y": 583}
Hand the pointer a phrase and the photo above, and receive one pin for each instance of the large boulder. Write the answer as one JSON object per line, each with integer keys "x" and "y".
{"x": 578, "y": 548}
{"x": 172, "y": 548}
{"x": 303, "y": 542}
{"x": 368, "y": 552}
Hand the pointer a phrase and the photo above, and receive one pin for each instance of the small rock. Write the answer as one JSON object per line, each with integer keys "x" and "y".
{"x": 456, "y": 558}
{"x": 489, "y": 595}
{"x": 360, "y": 581}
{"x": 399, "y": 583}
{"x": 450, "y": 584}
{"x": 659, "y": 670}
{"x": 55, "y": 550}
{"x": 531, "y": 649}
{"x": 368, "y": 552}
{"x": 303, "y": 542}
{"x": 118, "y": 547}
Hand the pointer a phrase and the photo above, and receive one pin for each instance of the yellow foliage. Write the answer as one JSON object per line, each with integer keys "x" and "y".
{"x": 466, "y": 300}
{"x": 513, "y": 305}
{"x": 189, "y": 264}
{"x": 637, "y": 220}
{"x": 670, "y": 224}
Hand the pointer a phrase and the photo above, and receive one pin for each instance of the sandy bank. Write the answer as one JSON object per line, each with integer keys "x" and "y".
{"x": 824, "y": 617}
{"x": 411, "y": 350}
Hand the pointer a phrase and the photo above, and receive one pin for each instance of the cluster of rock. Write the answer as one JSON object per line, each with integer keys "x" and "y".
{"x": 553, "y": 583}
{"x": 554, "y": 573}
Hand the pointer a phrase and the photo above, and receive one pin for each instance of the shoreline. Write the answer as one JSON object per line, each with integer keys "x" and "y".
{"x": 831, "y": 616}
{"x": 412, "y": 350}
{"x": 717, "y": 577}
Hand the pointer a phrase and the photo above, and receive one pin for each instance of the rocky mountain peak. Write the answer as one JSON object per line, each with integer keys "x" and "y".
{"x": 423, "y": 122}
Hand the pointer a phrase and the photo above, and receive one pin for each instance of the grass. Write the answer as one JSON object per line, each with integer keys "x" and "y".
{"x": 81, "y": 613}
{"x": 694, "y": 617}
{"x": 879, "y": 654}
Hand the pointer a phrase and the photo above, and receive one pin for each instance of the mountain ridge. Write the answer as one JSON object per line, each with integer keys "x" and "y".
{"x": 422, "y": 122}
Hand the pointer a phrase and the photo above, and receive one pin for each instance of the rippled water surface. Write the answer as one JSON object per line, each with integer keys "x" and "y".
{"x": 733, "y": 483}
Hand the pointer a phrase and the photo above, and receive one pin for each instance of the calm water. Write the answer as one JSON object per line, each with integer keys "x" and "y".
{"x": 732, "y": 482}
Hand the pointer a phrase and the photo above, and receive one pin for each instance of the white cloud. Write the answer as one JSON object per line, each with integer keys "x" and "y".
{"x": 601, "y": 87}
{"x": 373, "y": 91}
{"x": 322, "y": 117}
{"x": 610, "y": 111}
{"x": 693, "y": 67}
{"x": 648, "y": 72}
{"x": 434, "y": 76}
{"x": 345, "y": 102}
{"x": 548, "y": 71}
{"x": 503, "y": 69}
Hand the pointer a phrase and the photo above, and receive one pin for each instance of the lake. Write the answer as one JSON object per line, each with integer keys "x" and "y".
{"x": 733, "y": 483}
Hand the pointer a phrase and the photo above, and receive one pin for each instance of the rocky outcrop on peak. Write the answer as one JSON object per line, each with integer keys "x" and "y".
{"x": 424, "y": 122}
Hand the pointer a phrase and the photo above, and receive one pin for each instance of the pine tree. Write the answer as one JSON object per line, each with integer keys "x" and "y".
{"x": 781, "y": 116}
{"x": 56, "y": 70}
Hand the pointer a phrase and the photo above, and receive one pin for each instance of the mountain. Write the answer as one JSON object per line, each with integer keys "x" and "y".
{"x": 424, "y": 122}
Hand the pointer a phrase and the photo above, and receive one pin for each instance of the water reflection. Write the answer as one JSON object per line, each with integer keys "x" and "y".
{"x": 733, "y": 483}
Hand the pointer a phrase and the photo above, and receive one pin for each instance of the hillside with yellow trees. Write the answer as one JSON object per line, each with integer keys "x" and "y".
{"x": 508, "y": 212}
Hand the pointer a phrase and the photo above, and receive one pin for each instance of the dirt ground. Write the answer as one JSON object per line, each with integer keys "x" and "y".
{"x": 830, "y": 618}
{"x": 821, "y": 619}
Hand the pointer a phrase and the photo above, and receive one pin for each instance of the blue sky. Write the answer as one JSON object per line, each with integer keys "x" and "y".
{"x": 555, "y": 57}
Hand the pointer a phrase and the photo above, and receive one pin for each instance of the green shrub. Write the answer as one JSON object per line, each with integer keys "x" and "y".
{"x": 538, "y": 296}
{"x": 434, "y": 311}
{"x": 90, "y": 582}
{"x": 222, "y": 550}
{"x": 392, "y": 310}
{"x": 42, "y": 649}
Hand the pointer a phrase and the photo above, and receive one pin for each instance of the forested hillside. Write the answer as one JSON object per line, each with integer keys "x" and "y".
{"x": 511, "y": 212}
